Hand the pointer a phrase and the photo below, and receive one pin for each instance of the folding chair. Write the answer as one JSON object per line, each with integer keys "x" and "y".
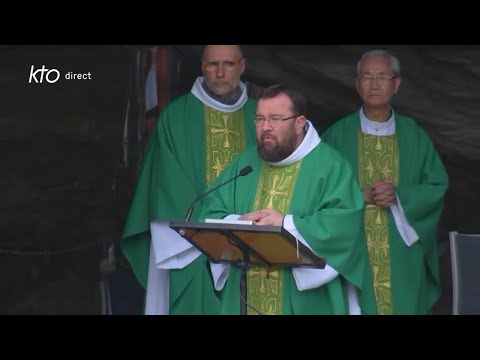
{"x": 465, "y": 256}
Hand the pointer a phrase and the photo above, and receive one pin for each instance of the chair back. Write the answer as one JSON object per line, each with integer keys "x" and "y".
{"x": 465, "y": 256}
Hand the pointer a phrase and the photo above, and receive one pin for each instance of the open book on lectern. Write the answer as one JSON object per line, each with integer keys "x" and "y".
{"x": 233, "y": 242}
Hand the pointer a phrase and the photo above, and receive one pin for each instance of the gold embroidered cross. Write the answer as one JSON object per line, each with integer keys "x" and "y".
{"x": 225, "y": 131}
{"x": 273, "y": 192}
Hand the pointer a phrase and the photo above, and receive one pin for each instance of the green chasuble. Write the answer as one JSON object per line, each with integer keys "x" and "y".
{"x": 420, "y": 182}
{"x": 190, "y": 146}
{"x": 321, "y": 193}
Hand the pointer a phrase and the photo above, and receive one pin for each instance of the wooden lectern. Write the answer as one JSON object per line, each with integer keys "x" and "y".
{"x": 245, "y": 245}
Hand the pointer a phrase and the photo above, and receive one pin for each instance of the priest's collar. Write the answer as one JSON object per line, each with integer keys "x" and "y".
{"x": 370, "y": 127}
{"x": 237, "y": 92}
{"x": 205, "y": 97}
{"x": 310, "y": 142}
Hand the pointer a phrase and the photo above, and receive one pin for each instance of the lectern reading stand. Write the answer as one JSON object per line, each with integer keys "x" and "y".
{"x": 245, "y": 245}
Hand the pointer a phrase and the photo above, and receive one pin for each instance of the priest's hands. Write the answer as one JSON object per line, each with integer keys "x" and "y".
{"x": 368, "y": 196}
{"x": 381, "y": 193}
{"x": 264, "y": 217}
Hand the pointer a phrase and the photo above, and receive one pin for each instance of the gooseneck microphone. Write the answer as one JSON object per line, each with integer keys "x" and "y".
{"x": 245, "y": 171}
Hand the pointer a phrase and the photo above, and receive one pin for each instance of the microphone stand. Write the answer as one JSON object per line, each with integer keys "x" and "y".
{"x": 244, "y": 264}
{"x": 245, "y": 171}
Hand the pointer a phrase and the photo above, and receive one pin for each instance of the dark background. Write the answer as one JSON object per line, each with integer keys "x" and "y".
{"x": 65, "y": 193}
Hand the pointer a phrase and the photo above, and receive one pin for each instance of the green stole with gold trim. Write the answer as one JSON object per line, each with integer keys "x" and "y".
{"x": 275, "y": 190}
{"x": 378, "y": 160}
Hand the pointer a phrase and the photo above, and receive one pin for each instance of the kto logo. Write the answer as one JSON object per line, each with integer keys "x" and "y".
{"x": 51, "y": 75}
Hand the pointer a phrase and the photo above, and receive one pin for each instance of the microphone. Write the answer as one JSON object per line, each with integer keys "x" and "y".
{"x": 245, "y": 171}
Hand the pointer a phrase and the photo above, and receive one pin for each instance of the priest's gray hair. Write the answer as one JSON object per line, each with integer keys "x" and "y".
{"x": 393, "y": 61}
{"x": 239, "y": 49}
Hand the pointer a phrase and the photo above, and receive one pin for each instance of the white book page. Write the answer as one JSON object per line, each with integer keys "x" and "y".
{"x": 232, "y": 222}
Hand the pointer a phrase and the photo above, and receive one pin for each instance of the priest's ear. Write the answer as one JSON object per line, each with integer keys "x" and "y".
{"x": 242, "y": 66}
{"x": 300, "y": 123}
{"x": 398, "y": 81}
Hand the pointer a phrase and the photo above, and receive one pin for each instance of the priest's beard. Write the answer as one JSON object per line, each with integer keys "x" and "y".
{"x": 277, "y": 152}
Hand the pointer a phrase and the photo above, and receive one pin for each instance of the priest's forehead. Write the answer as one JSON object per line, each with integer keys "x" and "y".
{"x": 230, "y": 52}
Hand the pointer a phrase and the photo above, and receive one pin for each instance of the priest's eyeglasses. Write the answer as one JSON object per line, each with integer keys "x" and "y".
{"x": 227, "y": 65}
{"x": 381, "y": 79}
{"x": 273, "y": 120}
